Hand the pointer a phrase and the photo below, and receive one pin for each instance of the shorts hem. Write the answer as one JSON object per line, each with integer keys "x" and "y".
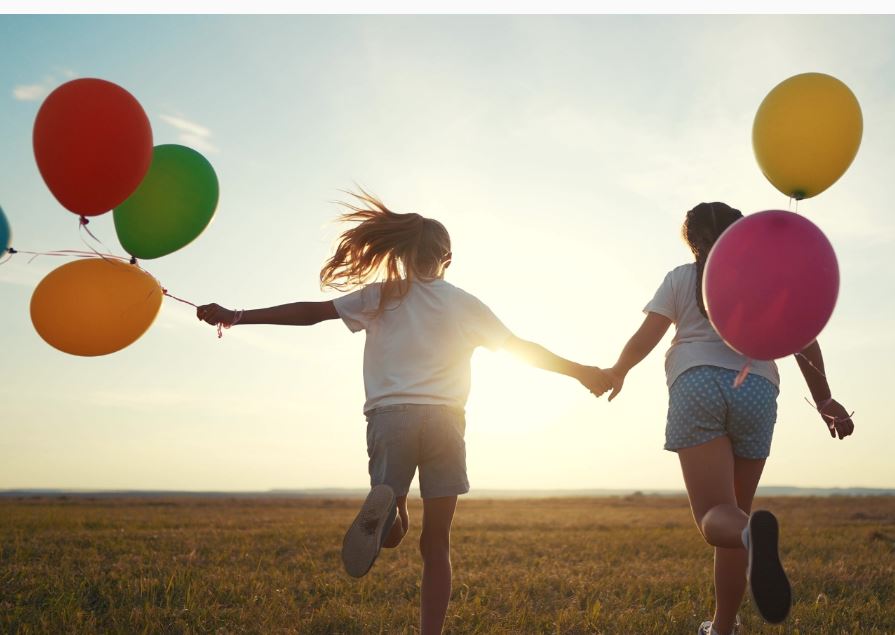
{"x": 441, "y": 492}
{"x": 671, "y": 448}
{"x": 739, "y": 455}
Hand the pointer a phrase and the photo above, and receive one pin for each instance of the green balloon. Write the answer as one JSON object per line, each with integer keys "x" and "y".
{"x": 171, "y": 207}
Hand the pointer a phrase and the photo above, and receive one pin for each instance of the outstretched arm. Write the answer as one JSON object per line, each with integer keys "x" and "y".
{"x": 638, "y": 347}
{"x": 294, "y": 314}
{"x": 834, "y": 414}
{"x": 591, "y": 377}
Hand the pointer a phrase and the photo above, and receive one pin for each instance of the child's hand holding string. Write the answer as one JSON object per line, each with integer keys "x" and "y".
{"x": 837, "y": 418}
{"x": 215, "y": 314}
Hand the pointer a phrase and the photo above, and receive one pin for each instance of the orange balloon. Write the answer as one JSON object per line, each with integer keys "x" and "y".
{"x": 94, "y": 307}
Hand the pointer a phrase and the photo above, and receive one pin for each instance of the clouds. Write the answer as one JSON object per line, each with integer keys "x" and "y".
{"x": 30, "y": 92}
{"x": 191, "y": 133}
{"x": 39, "y": 90}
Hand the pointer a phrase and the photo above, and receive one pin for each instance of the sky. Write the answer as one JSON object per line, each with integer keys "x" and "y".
{"x": 561, "y": 152}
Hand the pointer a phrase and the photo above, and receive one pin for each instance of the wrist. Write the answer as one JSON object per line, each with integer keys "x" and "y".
{"x": 820, "y": 404}
{"x": 618, "y": 371}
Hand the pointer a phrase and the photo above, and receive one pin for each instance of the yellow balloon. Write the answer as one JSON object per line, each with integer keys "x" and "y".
{"x": 94, "y": 307}
{"x": 806, "y": 134}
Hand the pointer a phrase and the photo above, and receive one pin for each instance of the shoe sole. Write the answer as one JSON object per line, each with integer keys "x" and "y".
{"x": 768, "y": 584}
{"x": 362, "y": 541}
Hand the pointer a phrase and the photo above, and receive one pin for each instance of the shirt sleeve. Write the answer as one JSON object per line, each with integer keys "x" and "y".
{"x": 663, "y": 301}
{"x": 358, "y": 307}
{"x": 483, "y": 328}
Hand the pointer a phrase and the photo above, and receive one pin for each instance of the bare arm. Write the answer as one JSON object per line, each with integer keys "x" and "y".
{"x": 591, "y": 377}
{"x": 294, "y": 314}
{"x": 638, "y": 347}
{"x": 834, "y": 414}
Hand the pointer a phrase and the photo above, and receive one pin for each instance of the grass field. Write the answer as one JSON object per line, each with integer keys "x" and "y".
{"x": 236, "y": 565}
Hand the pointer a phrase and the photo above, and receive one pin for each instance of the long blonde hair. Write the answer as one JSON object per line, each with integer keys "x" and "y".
{"x": 385, "y": 245}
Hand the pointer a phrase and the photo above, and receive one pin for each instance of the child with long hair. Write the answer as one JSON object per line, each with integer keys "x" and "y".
{"x": 722, "y": 434}
{"x": 420, "y": 335}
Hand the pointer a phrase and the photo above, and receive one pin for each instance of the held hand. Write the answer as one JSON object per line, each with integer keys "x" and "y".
{"x": 215, "y": 314}
{"x": 618, "y": 380}
{"x": 595, "y": 380}
{"x": 837, "y": 418}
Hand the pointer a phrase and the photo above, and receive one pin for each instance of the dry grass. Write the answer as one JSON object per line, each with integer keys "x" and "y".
{"x": 632, "y": 565}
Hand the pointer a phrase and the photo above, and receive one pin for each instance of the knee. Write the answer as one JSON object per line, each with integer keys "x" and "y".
{"x": 707, "y": 521}
{"x": 435, "y": 546}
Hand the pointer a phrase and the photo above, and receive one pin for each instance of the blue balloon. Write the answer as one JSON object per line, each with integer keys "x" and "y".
{"x": 4, "y": 233}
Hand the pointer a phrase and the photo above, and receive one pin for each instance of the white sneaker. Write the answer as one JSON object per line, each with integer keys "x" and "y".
{"x": 364, "y": 538}
{"x": 706, "y": 628}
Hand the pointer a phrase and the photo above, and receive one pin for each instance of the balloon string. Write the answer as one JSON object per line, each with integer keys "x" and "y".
{"x": 833, "y": 419}
{"x": 10, "y": 252}
{"x": 220, "y": 325}
{"x": 741, "y": 376}
{"x": 810, "y": 363}
{"x": 165, "y": 291}
{"x": 82, "y": 225}
{"x": 64, "y": 253}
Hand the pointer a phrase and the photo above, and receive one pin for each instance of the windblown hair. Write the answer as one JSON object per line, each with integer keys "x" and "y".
{"x": 702, "y": 227}
{"x": 385, "y": 245}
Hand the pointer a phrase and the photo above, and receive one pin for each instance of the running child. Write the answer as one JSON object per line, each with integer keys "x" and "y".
{"x": 722, "y": 435}
{"x": 420, "y": 335}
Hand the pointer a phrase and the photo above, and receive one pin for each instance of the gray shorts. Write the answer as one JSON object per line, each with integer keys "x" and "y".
{"x": 404, "y": 436}
{"x": 704, "y": 405}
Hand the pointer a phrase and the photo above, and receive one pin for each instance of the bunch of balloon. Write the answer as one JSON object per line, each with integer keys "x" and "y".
{"x": 771, "y": 280}
{"x": 93, "y": 147}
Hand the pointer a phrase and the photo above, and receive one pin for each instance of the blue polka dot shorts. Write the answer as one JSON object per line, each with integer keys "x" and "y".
{"x": 704, "y": 405}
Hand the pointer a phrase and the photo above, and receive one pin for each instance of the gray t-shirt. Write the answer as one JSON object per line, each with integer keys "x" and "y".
{"x": 695, "y": 342}
{"x": 418, "y": 349}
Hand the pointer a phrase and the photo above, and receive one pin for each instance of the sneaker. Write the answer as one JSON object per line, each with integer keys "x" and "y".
{"x": 768, "y": 585}
{"x": 364, "y": 538}
{"x": 706, "y": 628}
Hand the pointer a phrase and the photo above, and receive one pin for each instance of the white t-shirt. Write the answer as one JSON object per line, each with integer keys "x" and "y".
{"x": 695, "y": 342}
{"x": 419, "y": 348}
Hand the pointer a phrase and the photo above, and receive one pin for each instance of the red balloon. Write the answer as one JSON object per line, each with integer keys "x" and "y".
{"x": 93, "y": 145}
{"x": 770, "y": 284}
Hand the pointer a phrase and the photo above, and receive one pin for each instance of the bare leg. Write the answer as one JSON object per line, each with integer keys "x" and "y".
{"x": 730, "y": 564}
{"x": 708, "y": 474}
{"x": 717, "y": 483}
{"x": 435, "y": 547}
{"x": 400, "y": 526}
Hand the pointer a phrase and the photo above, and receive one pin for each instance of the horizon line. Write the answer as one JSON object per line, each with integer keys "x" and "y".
{"x": 484, "y": 492}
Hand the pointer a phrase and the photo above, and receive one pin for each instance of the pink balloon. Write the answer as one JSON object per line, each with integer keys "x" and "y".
{"x": 770, "y": 284}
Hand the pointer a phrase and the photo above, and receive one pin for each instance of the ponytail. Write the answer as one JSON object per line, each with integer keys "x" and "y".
{"x": 703, "y": 225}
{"x": 396, "y": 248}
